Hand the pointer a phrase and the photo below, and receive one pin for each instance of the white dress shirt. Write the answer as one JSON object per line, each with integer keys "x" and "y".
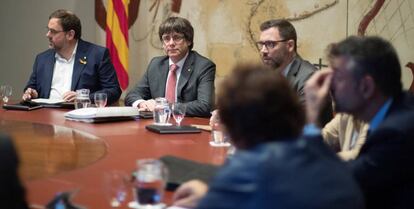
{"x": 62, "y": 75}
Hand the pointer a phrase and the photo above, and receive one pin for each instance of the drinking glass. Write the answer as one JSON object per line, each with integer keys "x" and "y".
{"x": 161, "y": 112}
{"x": 149, "y": 185}
{"x": 100, "y": 99}
{"x": 6, "y": 92}
{"x": 178, "y": 112}
{"x": 115, "y": 187}
{"x": 82, "y": 98}
{"x": 219, "y": 137}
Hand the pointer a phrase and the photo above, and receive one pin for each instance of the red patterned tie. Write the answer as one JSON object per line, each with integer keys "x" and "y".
{"x": 171, "y": 83}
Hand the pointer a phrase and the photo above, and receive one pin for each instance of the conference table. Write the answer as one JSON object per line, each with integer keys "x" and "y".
{"x": 59, "y": 155}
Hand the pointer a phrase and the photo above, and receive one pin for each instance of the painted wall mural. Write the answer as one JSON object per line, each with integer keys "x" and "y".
{"x": 226, "y": 30}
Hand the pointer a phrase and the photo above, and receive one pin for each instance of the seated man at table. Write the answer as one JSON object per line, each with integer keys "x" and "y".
{"x": 12, "y": 192}
{"x": 273, "y": 167}
{"x": 71, "y": 64}
{"x": 365, "y": 81}
{"x": 182, "y": 75}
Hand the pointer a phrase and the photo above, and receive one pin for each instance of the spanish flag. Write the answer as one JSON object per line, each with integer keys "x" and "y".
{"x": 117, "y": 38}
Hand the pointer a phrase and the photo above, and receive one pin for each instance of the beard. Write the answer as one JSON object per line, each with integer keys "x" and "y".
{"x": 274, "y": 63}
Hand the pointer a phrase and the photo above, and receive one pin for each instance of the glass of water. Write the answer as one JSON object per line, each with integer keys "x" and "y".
{"x": 162, "y": 112}
{"x": 82, "y": 98}
{"x": 100, "y": 99}
{"x": 149, "y": 185}
{"x": 6, "y": 92}
{"x": 178, "y": 112}
{"x": 116, "y": 187}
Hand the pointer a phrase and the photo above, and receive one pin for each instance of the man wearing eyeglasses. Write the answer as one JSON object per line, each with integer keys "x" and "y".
{"x": 277, "y": 45}
{"x": 182, "y": 75}
{"x": 71, "y": 64}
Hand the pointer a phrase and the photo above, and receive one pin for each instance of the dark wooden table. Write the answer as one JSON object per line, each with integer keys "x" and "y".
{"x": 59, "y": 155}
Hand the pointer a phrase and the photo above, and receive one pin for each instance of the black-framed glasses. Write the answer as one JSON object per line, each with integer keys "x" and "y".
{"x": 175, "y": 38}
{"x": 269, "y": 44}
{"x": 53, "y": 31}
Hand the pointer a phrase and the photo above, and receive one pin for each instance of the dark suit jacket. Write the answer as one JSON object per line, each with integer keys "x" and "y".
{"x": 12, "y": 193}
{"x": 195, "y": 85}
{"x": 300, "y": 71}
{"x": 385, "y": 165}
{"x": 97, "y": 75}
{"x": 295, "y": 174}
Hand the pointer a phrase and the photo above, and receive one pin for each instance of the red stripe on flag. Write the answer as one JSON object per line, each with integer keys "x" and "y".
{"x": 119, "y": 68}
{"x": 119, "y": 9}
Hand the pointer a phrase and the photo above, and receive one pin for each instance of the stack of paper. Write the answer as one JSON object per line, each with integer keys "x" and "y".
{"x": 106, "y": 114}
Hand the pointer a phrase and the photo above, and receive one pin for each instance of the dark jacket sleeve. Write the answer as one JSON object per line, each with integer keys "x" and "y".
{"x": 204, "y": 103}
{"x": 141, "y": 90}
{"x": 108, "y": 79}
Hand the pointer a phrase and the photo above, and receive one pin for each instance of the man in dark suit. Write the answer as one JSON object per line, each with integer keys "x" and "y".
{"x": 12, "y": 193}
{"x": 272, "y": 167}
{"x": 71, "y": 64}
{"x": 365, "y": 81}
{"x": 277, "y": 45}
{"x": 182, "y": 76}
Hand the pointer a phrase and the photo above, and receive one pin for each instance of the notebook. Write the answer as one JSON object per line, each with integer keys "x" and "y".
{"x": 182, "y": 170}
{"x": 172, "y": 129}
{"x": 22, "y": 106}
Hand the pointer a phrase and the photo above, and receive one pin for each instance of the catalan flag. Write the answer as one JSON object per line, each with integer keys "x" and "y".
{"x": 117, "y": 38}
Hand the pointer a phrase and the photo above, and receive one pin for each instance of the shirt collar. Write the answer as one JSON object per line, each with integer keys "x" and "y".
{"x": 57, "y": 56}
{"x": 380, "y": 115}
{"x": 179, "y": 63}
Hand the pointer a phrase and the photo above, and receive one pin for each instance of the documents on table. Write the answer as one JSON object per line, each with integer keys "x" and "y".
{"x": 105, "y": 114}
{"x": 47, "y": 101}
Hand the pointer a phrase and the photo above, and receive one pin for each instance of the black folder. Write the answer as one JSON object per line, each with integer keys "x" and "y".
{"x": 22, "y": 106}
{"x": 182, "y": 170}
{"x": 172, "y": 129}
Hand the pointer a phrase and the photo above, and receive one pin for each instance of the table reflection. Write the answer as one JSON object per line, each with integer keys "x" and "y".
{"x": 47, "y": 150}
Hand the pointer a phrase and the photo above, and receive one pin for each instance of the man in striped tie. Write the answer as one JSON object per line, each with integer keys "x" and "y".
{"x": 182, "y": 75}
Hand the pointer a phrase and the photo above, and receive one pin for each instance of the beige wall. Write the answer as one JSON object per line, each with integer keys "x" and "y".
{"x": 225, "y": 30}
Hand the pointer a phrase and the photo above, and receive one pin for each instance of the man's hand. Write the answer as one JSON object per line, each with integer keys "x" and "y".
{"x": 69, "y": 96}
{"x": 189, "y": 194}
{"x": 147, "y": 105}
{"x": 30, "y": 94}
{"x": 214, "y": 118}
{"x": 316, "y": 91}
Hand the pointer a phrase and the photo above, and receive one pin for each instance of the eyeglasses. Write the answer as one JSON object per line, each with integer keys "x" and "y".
{"x": 269, "y": 44}
{"x": 53, "y": 31}
{"x": 176, "y": 38}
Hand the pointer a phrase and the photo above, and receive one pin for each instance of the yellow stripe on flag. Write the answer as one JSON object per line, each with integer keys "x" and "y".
{"x": 117, "y": 35}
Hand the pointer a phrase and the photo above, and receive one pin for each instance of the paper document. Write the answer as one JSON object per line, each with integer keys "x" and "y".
{"x": 47, "y": 101}
{"x": 93, "y": 112}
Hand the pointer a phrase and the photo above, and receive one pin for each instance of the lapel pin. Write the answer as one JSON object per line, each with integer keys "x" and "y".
{"x": 83, "y": 61}
{"x": 189, "y": 70}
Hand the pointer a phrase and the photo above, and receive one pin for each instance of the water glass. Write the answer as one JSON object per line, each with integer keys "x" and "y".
{"x": 162, "y": 112}
{"x": 6, "y": 92}
{"x": 219, "y": 138}
{"x": 116, "y": 187}
{"x": 178, "y": 112}
{"x": 82, "y": 99}
{"x": 100, "y": 99}
{"x": 149, "y": 185}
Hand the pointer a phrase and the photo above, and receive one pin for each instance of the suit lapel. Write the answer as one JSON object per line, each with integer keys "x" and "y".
{"x": 163, "y": 75}
{"x": 80, "y": 63}
{"x": 48, "y": 68}
{"x": 294, "y": 68}
{"x": 186, "y": 72}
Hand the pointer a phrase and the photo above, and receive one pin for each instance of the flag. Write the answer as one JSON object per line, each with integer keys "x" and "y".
{"x": 117, "y": 38}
